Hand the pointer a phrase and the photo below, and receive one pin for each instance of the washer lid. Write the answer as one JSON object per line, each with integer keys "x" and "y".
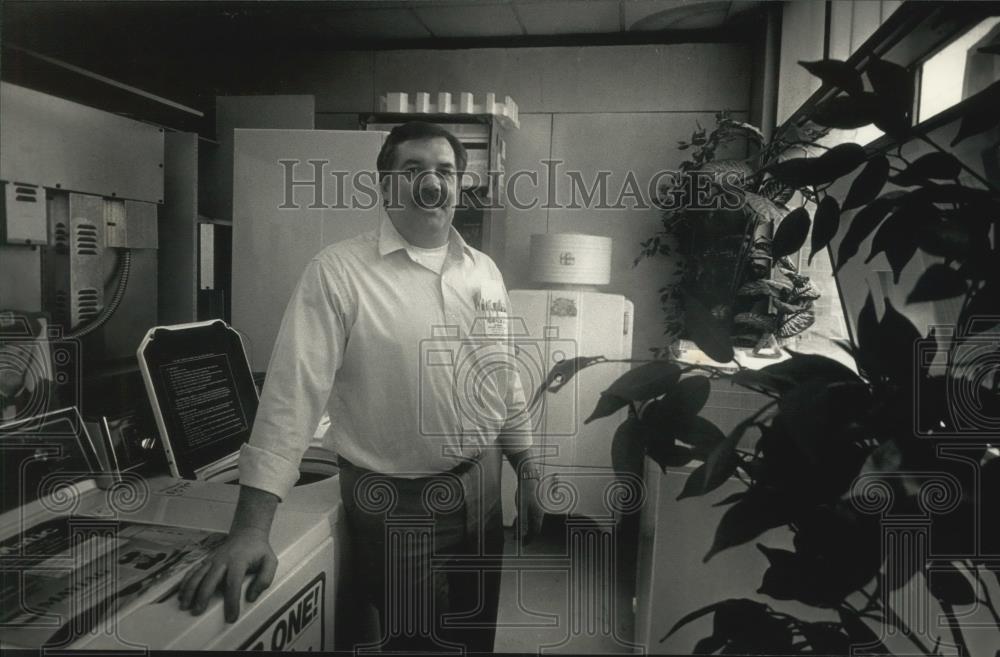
{"x": 202, "y": 392}
{"x": 40, "y": 454}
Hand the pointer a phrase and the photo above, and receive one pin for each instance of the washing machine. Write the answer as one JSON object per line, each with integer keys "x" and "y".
{"x": 86, "y": 567}
{"x": 92, "y": 552}
{"x": 204, "y": 400}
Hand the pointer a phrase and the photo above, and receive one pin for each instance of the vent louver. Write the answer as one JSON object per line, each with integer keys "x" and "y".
{"x": 61, "y": 238}
{"x": 61, "y": 309}
{"x": 86, "y": 239}
{"x": 87, "y": 303}
{"x": 26, "y": 193}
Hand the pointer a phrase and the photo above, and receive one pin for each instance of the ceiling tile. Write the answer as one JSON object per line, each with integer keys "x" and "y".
{"x": 653, "y": 15}
{"x": 375, "y": 23}
{"x": 472, "y": 20}
{"x": 569, "y": 16}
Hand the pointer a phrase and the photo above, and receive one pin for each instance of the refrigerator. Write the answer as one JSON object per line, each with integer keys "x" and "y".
{"x": 294, "y": 193}
{"x": 577, "y": 477}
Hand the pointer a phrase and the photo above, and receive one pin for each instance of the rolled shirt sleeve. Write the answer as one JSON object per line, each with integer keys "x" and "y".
{"x": 307, "y": 353}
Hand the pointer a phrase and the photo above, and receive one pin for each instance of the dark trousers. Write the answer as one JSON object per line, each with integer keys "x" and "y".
{"x": 427, "y": 553}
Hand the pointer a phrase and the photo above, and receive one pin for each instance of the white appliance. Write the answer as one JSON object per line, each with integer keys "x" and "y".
{"x": 570, "y": 259}
{"x": 577, "y": 476}
{"x": 294, "y": 193}
{"x": 204, "y": 400}
{"x": 98, "y": 569}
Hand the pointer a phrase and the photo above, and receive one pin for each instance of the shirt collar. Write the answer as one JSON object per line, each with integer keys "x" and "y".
{"x": 389, "y": 240}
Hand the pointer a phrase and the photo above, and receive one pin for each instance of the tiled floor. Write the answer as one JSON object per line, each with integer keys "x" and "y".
{"x": 561, "y": 594}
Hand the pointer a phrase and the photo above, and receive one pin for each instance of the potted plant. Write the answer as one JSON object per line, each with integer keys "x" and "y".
{"x": 834, "y": 452}
{"x": 719, "y": 217}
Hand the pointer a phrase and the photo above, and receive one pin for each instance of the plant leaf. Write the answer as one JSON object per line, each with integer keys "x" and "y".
{"x": 758, "y": 380}
{"x": 980, "y": 114}
{"x": 792, "y": 324}
{"x": 889, "y": 80}
{"x": 868, "y": 183}
{"x": 667, "y": 453}
{"x": 791, "y": 233}
{"x": 836, "y": 74}
{"x": 932, "y": 166}
{"x": 938, "y": 282}
{"x": 708, "y": 645}
{"x": 839, "y": 161}
{"x": 731, "y": 499}
{"x": 775, "y": 190}
{"x": 753, "y": 515}
{"x": 705, "y": 478}
{"x": 646, "y": 381}
{"x": 897, "y": 345}
{"x": 566, "y": 369}
{"x": 707, "y": 332}
{"x": 862, "y": 225}
{"x": 949, "y": 239}
{"x": 893, "y": 89}
{"x": 659, "y": 431}
{"x": 764, "y": 287}
{"x": 831, "y": 165}
{"x": 868, "y": 338}
{"x": 948, "y": 193}
{"x": 898, "y": 234}
{"x": 896, "y": 238}
{"x": 606, "y": 405}
{"x": 826, "y": 638}
{"x": 887, "y": 457}
{"x": 627, "y": 448}
{"x": 984, "y": 307}
{"x": 795, "y": 576}
{"x": 702, "y": 435}
{"x": 860, "y": 634}
{"x": 693, "y": 616}
{"x": 825, "y": 224}
{"x": 846, "y": 112}
{"x": 734, "y": 172}
{"x": 782, "y": 377}
{"x": 783, "y": 580}
{"x": 746, "y": 128}
{"x": 950, "y": 586}
{"x": 687, "y": 398}
{"x": 815, "y": 413}
{"x": 719, "y": 465}
{"x": 752, "y": 628}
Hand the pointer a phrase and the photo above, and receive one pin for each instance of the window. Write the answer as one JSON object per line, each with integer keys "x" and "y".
{"x": 959, "y": 70}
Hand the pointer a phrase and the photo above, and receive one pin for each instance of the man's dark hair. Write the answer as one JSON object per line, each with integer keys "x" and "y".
{"x": 414, "y": 130}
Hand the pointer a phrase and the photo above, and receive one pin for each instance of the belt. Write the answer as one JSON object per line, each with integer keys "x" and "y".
{"x": 458, "y": 470}
{"x": 481, "y": 493}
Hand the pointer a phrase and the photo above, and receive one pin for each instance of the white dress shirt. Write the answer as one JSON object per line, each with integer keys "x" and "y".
{"x": 433, "y": 258}
{"x": 413, "y": 366}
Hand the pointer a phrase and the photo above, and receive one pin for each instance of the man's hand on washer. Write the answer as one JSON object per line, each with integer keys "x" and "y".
{"x": 246, "y": 550}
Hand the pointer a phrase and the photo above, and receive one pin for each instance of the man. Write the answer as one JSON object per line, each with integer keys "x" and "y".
{"x": 359, "y": 338}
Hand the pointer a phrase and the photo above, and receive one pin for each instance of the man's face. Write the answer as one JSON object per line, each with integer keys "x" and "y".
{"x": 424, "y": 188}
